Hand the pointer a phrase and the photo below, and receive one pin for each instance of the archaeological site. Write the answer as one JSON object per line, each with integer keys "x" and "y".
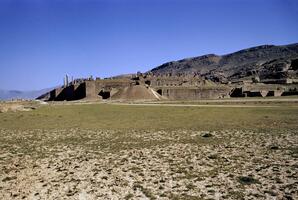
{"x": 261, "y": 71}
{"x": 148, "y": 100}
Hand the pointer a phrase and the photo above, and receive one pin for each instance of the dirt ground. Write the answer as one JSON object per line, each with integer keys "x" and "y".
{"x": 13, "y": 107}
{"x": 127, "y": 159}
{"x": 85, "y": 164}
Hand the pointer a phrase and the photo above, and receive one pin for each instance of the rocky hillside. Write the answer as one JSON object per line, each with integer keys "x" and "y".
{"x": 267, "y": 61}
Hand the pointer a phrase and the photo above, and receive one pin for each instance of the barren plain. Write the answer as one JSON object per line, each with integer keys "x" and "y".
{"x": 128, "y": 151}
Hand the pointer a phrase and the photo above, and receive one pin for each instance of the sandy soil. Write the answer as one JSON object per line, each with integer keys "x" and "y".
{"x": 181, "y": 164}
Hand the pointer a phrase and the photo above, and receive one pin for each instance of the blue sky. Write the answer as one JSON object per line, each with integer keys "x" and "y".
{"x": 42, "y": 40}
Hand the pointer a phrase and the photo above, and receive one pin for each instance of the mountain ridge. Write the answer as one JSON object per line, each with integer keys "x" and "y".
{"x": 227, "y": 66}
{"x": 18, "y": 94}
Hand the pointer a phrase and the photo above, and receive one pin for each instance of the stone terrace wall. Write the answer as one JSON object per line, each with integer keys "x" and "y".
{"x": 108, "y": 84}
{"x": 180, "y": 93}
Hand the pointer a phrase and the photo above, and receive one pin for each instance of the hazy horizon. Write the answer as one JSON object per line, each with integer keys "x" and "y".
{"x": 43, "y": 41}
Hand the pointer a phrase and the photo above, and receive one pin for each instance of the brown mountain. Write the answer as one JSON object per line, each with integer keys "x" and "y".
{"x": 266, "y": 61}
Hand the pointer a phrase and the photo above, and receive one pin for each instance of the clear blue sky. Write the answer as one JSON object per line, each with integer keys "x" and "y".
{"x": 42, "y": 40}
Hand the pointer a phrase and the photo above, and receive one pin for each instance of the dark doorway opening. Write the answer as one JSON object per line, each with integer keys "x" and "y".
{"x": 159, "y": 91}
{"x": 291, "y": 91}
{"x": 136, "y": 78}
{"x": 148, "y": 83}
{"x": 294, "y": 64}
{"x": 237, "y": 92}
{"x": 104, "y": 94}
{"x": 270, "y": 93}
{"x": 254, "y": 94}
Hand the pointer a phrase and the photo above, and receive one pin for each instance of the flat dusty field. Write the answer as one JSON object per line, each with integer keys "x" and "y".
{"x": 128, "y": 151}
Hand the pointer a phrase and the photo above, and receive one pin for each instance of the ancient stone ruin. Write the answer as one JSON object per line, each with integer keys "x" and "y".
{"x": 261, "y": 71}
{"x": 152, "y": 87}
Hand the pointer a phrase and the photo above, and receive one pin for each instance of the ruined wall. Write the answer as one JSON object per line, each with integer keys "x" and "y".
{"x": 72, "y": 92}
{"x": 109, "y": 84}
{"x": 275, "y": 93}
{"x": 265, "y": 90}
{"x": 170, "y": 87}
{"x": 185, "y": 93}
{"x": 55, "y": 93}
{"x": 108, "y": 87}
{"x": 257, "y": 93}
{"x": 79, "y": 91}
{"x": 237, "y": 92}
{"x": 61, "y": 94}
{"x": 175, "y": 81}
{"x": 90, "y": 88}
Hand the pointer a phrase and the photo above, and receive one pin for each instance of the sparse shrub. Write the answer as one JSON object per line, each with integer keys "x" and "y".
{"x": 9, "y": 178}
{"x": 247, "y": 180}
{"x": 274, "y": 147}
{"x": 206, "y": 135}
{"x": 213, "y": 156}
{"x": 129, "y": 196}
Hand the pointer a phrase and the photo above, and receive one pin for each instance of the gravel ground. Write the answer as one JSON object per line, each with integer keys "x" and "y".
{"x": 182, "y": 164}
